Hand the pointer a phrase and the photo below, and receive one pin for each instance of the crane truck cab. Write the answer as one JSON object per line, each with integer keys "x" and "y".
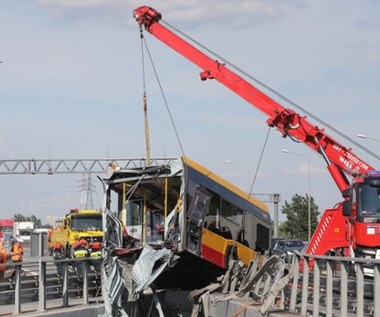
{"x": 77, "y": 225}
{"x": 362, "y": 206}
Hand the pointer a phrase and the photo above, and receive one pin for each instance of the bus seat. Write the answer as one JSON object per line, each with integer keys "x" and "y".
{"x": 225, "y": 232}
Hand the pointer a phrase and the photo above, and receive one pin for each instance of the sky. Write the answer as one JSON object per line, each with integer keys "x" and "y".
{"x": 71, "y": 86}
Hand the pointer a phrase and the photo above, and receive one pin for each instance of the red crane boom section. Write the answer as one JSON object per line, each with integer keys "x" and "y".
{"x": 339, "y": 159}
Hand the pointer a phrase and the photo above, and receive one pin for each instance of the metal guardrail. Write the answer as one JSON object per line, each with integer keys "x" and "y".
{"x": 319, "y": 286}
{"x": 335, "y": 286}
{"x": 42, "y": 280}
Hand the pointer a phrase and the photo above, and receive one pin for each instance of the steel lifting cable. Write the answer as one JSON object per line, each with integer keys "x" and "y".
{"x": 287, "y": 100}
{"x": 143, "y": 41}
{"x": 258, "y": 164}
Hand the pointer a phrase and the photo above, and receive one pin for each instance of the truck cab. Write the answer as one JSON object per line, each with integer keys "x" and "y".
{"x": 362, "y": 206}
{"x": 76, "y": 225}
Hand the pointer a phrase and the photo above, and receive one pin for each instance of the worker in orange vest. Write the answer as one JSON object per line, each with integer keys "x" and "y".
{"x": 3, "y": 259}
{"x": 17, "y": 251}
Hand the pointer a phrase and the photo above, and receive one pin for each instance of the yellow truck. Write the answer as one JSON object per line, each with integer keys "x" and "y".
{"x": 78, "y": 224}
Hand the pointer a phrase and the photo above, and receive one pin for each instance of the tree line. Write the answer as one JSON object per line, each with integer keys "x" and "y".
{"x": 37, "y": 221}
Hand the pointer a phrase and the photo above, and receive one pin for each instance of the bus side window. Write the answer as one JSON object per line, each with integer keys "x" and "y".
{"x": 262, "y": 238}
{"x": 199, "y": 206}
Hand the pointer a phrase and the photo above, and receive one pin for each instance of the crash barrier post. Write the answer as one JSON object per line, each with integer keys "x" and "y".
{"x": 333, "y": 285}
{"x": 41, "y": 290}
{"x": 17, "y": 308}
{"x": 85, "y": 285}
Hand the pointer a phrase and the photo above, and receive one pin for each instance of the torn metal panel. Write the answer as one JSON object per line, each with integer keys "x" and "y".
{"x": 144, "y": 273}
{"x": 112, "y": 232}
{"x": 115, "y": 289}
{"x": 254, "y": 290}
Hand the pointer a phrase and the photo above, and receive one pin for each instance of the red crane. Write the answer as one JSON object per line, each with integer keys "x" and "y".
{"x": 352, "y": 223}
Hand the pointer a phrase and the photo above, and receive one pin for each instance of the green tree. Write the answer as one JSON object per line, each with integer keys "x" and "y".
{"x": 297, "y": 222}
{"x": 19, "y": 218}
{"x": 36, "y": 221}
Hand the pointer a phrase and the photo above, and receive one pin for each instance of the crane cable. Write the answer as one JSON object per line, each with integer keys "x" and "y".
{"x": 273, "y": 91}
{"x": 143, "y": 43}
{"x": 258, "y": 164}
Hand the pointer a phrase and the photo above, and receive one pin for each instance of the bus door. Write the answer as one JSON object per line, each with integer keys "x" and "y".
{"x": 155, "y": 226}
{"x": 134, "y": 223}
{"x": 196, "y": 213}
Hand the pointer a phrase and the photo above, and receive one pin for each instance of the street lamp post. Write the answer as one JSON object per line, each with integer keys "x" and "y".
{"x": 363, "y": 136}
{"x": 309, "y": 189}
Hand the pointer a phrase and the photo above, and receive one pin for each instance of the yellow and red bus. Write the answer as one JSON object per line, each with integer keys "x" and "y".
{"x": 184, "y": 206}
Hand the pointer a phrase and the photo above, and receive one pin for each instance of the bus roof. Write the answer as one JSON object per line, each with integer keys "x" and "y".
{"x": 225, "y": 183}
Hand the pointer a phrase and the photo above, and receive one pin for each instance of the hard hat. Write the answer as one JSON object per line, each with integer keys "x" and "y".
{"x": 96, "y": 246}
{"x": 83, "y": 242}
{"x": 58, "y": 245}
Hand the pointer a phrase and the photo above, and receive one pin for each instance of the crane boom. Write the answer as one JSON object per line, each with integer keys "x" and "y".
{"x": 339, "y": 159}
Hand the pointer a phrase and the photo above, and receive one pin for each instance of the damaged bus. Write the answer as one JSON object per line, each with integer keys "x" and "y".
{"x": 182, "y": 206}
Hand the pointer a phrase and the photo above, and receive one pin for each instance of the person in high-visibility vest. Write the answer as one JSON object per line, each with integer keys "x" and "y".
{"x": 3, "y": 259}
{"x": 17, "y": 251}
{"x": 96, "y": 249}
{"x": 80, "y": 248}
